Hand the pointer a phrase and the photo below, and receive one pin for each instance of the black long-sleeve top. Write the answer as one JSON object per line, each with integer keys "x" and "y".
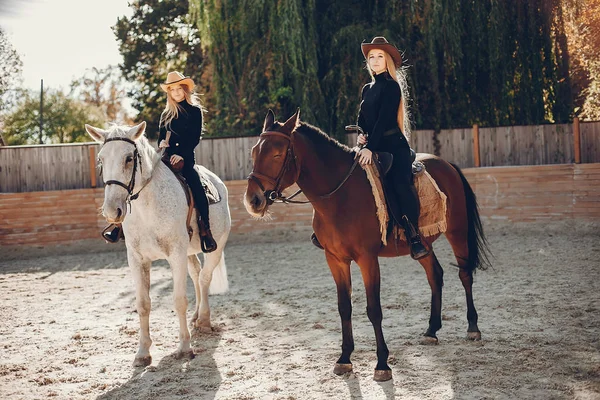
{"x": 379, "y": 109}
{"x": 186, "y": 131}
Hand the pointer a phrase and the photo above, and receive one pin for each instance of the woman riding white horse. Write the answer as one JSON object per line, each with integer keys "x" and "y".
{"x": 143, "y": 194}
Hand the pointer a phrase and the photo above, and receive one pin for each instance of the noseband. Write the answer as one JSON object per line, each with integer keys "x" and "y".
{"x": 275, "y": 193}
{"x": 136, "y": 160}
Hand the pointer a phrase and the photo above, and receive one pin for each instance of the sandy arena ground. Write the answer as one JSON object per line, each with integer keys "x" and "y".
{"x": 69, "y": 325}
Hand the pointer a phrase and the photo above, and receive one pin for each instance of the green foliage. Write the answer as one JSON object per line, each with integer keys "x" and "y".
{"x": 63, "y": 119}
{"x": 484, "y": 62}
{"x": 157, "y": 39}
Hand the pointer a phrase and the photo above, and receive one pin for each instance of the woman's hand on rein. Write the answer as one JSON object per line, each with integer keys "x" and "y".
{"x": 175, "y": 159}
{"x": 366, "y": 156}
{"x": 163, "y": 144}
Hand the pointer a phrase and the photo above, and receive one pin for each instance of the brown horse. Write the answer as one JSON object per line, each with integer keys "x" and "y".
{"x": 346, "y": 224}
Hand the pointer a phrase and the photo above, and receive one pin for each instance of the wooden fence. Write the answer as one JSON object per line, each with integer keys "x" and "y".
{"x": 565, "y": 192}
{"x": 72, "y": 166}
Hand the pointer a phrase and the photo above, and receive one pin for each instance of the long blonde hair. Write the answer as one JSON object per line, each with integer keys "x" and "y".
{"x": 172, "y": 108}
{"x": 399, "y": 75}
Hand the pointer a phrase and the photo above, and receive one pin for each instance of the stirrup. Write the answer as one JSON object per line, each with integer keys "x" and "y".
{"x": 208, "y": 244}
{"x": 315, "y": 241}
{"x": 417, "y": 249}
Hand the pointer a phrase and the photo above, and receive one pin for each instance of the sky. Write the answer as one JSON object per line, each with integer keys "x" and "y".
{"x": 58, "y": 40}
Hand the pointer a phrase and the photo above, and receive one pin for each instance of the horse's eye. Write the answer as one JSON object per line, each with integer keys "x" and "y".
{"x": 128, "y": 159}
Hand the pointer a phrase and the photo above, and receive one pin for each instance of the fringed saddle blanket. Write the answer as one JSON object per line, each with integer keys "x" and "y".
{"x": 432, "y": 219}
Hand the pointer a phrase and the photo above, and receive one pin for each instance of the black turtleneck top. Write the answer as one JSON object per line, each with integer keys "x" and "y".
{"x": 379, "y": 109}
{"x": 186, "y": 131}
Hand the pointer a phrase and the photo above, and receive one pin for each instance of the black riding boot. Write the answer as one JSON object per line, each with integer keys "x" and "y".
{"x": 410, "y": 222}
{"x": 113, "y": 233}
{"x": 207, "y": 242}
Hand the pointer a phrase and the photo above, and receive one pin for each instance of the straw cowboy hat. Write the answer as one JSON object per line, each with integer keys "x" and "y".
{"x": 379, "y": 42}
{"x": 178, "y": 78}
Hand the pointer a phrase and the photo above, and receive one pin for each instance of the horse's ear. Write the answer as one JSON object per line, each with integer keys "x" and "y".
{"x": 137, "y": 131}
{"x": 293, "y": 122}
{"x": 97, "y": 134}
{"x": 269, "y": 120}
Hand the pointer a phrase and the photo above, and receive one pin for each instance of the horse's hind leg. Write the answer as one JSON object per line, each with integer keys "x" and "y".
{"x": 459, "y": 245}
{"x": 194, "y": 267}
{"x": 212, "y": 261}
{"x": 435, "y": 277}
{"x": 140, "y": 270}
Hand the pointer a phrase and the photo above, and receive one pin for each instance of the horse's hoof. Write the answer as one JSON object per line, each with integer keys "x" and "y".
{"x": 341, "y": 369}
{"x": 142, "y": 361}
{"x": 188, "y": 354}
{"x": 474, "y": 336}
{"x": 382, "y": 375}
{"x": 429, "y": 340}
{"x": 203, "y": 327}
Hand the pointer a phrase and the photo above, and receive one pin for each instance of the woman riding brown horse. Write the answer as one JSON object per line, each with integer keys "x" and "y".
{"x": 345, "y": 220}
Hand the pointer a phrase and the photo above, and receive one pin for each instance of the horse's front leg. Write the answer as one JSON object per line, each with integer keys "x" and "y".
{"x": 140, "y": 270}
{"x": 369, "y": 268}
{"x": 340, "y": 269}
{"x": 178, "y": 261}
{"x": 435, "y": 277}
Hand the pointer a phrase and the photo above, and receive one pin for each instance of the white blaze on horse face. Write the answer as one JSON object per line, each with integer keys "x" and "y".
{"x": 116, "y": 158}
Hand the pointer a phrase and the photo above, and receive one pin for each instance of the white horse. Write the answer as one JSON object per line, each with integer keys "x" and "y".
{"x": 143, "y": 194}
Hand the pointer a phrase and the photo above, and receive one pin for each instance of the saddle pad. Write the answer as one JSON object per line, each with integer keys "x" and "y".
{"x": 212, "y": 194}
{"x": 432, "y": 219}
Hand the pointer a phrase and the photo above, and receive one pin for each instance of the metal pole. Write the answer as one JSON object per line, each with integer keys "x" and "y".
{"x": 42, "y": 112}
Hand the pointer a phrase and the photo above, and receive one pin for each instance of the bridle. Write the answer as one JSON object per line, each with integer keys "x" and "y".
{"x": 136, "y": 159}
{"x": 275, "y": 193}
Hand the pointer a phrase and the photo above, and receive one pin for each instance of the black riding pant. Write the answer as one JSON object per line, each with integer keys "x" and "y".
{"x": 193, "y": 180}
{"x": 400, "y": 180}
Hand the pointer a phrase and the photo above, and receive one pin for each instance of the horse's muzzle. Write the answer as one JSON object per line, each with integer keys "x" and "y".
{"x": 114, "y": 216}
{"x": 255, "y": 203}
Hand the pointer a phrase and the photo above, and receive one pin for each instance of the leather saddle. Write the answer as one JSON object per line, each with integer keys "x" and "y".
{"x": 384, "y": 162}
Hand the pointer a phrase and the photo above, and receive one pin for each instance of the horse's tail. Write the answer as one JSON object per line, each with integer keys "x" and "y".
{"x": 479, "y": 252}
{"x": 219, "y": 283}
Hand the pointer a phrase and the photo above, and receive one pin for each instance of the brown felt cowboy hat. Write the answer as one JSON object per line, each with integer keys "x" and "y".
{"x": 379, "y": 42}
{"x": 178, "y": 78}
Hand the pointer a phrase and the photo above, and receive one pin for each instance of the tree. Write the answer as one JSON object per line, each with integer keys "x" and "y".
{"x": 583, "y": 36}
{"x": 64, "y": 119}
{"x": 156, "y": 39}
{"x": 103, "y": 89}
{"x": 10, "y": 70}
{"x": 485, "y": 62}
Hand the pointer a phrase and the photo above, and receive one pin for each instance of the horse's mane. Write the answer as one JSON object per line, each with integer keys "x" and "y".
{"x": 323, "y": 142}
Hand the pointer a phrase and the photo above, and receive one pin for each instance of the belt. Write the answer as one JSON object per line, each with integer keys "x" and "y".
{"x": 391, "y": 132}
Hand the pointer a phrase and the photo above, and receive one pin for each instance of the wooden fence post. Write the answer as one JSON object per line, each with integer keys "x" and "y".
{"x": 476, "y": 145}
{"x": 577, "y": 140}
{"x": 92, "y": 150}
